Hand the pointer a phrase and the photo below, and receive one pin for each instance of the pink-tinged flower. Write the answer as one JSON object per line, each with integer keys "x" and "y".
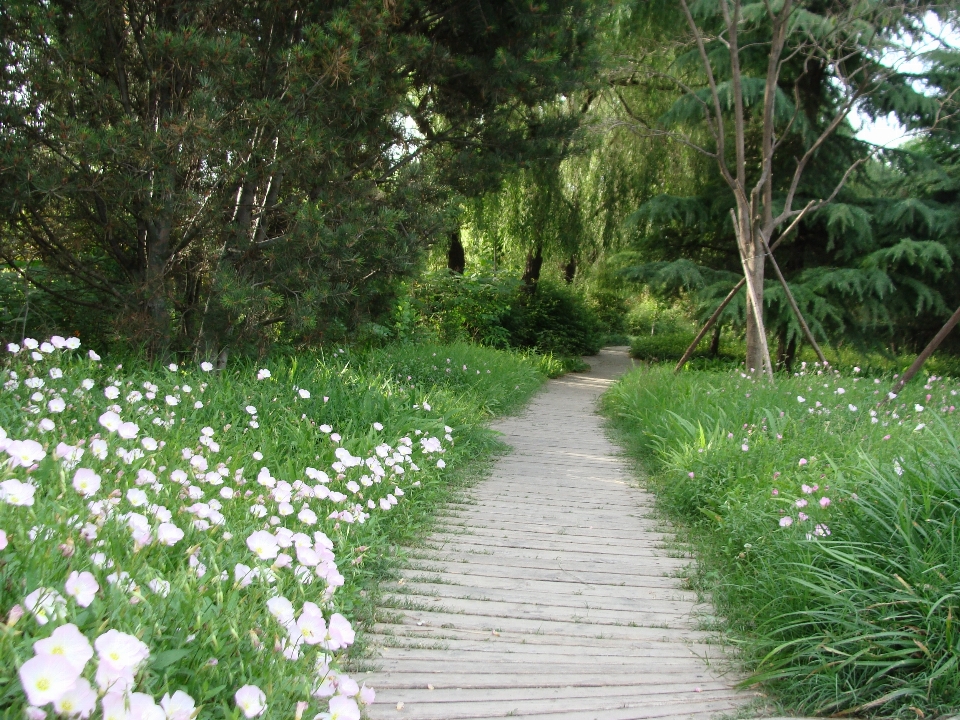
{"x": 824, "y": 502}
{"x": 307, "y": 556}
{"x": 786, "y": 521}
{"x": 79, "y": 701}
{"x": 774, "y": 492}
{"x": 343, "y": 708}
{"x": 82, "y": 587}
{"x": 114, "y": 706}
{"x": 264, "y": 544}
{"x": 25, "y": 453}
{"x": 243, "y": 575}
{"x": 144, "y": 707}
{"x": 45, "y": 604}
{"x": 14, "y": 492}
{"x": 46, "y": 677}
{"x": 86, "y": 482}
{"x": 281, "y": 609}
{"x": 251, "y": 700}
{"x": 341, "y": 633}
{"x": 347, "y": 686}
{"x": 121, "y": 650}
{"x": 69, "y": 643}
{"x": 806, "y": 490}
{"x": 305, "y": 394}
{"x": 111, "y": 421}
{"x": 821, "y": 530}
{"x": 801, "y": 503}
{"x": 803, "y": 461}
{"x": 178, "y": 706}
{"x": 169, "y": 534}
{"x": 691, "y": 475}
{"x": 886, "y": 437}
{"x": 263, "y": 374}
{"x": 311, "y": 625}
{"x": 128, "y": 430}
{"x": 3, "y": 540}
{"x": 801, "y": 516}
{"x": 366, "y": 695}
{"x": 441, "y": 464}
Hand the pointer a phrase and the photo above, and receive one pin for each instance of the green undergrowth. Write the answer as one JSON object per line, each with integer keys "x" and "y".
{"x": 826, "y": 523}
{"x": 205, "y": 622}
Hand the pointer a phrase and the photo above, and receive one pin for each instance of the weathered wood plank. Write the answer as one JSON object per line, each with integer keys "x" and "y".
{"x": 547, "y": 592}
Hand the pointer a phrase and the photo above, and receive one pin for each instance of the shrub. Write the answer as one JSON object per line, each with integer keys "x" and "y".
{"x": 554, "y": 318}
{"x": 498, "y": 311}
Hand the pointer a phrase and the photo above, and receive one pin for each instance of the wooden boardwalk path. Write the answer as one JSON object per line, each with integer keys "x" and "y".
{"x": 546, "y": 593}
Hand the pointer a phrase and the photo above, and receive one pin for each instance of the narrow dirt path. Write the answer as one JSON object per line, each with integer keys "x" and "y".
{"x": 546, "y": 593}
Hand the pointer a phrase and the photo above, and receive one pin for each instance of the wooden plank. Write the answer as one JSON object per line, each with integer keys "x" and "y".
{"x": 547, "y": 592}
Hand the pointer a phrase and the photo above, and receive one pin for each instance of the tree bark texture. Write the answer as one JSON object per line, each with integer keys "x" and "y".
{"x": 456, "y": 255}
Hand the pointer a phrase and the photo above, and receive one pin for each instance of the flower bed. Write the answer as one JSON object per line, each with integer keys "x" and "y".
{"x": 180, "y": 542}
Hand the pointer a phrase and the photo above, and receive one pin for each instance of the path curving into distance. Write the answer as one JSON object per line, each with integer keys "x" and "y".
{"x": 546, "y": 593}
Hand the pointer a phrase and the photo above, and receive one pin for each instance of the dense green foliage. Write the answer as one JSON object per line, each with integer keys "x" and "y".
{"x": 223, "y": 174}
{"x": 209, "y": 634}
{"x": 499, "y": 311}
{"x": 825, "y": 522}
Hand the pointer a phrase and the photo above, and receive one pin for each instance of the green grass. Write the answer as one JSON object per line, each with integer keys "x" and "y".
{"x": 853, "y": 608}
{"x": 209, "y": 636}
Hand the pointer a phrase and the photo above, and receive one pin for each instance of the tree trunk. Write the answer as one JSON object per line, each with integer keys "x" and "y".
{"x": 752, "y": 259}
{"x": 786, "y": 351}
{"x": 456, "y": 256}
{"x": 570, "y": 269}
{"x": 531, "y": 271}
{"x": 715, "y": 341}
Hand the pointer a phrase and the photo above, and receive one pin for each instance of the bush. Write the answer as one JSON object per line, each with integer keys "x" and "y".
{"x": 554, "y": 318}
{"x": 498, "y": 311}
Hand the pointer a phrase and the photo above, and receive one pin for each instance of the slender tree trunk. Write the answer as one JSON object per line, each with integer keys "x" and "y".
{"x": 715, "y": 341}
{"x": 752, "y": 259}
{"x": 927, "y": 352}
{"x": 531, "y": 271}
{"x": 570, "y": 269}
{"x": 456, "y": 255}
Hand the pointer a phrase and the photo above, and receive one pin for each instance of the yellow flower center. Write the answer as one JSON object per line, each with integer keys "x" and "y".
{"x": 43, "y": 684}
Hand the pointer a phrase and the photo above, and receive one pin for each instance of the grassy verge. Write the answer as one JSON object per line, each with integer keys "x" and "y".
{"x": 826, "y": 523}
{"x": 208, "y": 538}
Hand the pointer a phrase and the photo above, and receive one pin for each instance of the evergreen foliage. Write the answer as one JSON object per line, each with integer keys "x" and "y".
{"x": 225, "y": 174}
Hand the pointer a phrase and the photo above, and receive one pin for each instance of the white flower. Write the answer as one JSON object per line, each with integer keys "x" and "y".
{"x": 93, "y": 356}
{"x": 801, "y": 399}
{"x": 171, "y": 400}
{"x": 251, "y": 700}
{"x": 86, "y": 482}
{"x": 13, "y": 348}
{"x": 68, "y": 643}
{"x": 263, "y": 374}
{"x": 136, "y": 497}
{"x": 46, "y": 677}
{"x": 251, "y": 409}
{"x": 169, "y": 534}
{"x": 79, "y": 701}
{"x": 25, "y": 452}
{"x": 46, "y": 425}
{"x": 56, "y": 405}
{"x": 82, "y": 587}
{"x": 305, "y": 394}
{"x": 110, "y": 420}
{"x": 852, "y": 408}
{"x": 149, "y": 444}
{"x": 160, "y": 587}
{"x": 918, "y": 408}
{"x": 179, "y": 706}
{"x": 111, "y": 392}
{"x": 15, "y": 492}
{"x": 264, "y": 544}
{"x": 206, "y": 366}
{"x": 121, "y": 650}
{"x": 172, "y": 367}
{"x": 45, "y": 604}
